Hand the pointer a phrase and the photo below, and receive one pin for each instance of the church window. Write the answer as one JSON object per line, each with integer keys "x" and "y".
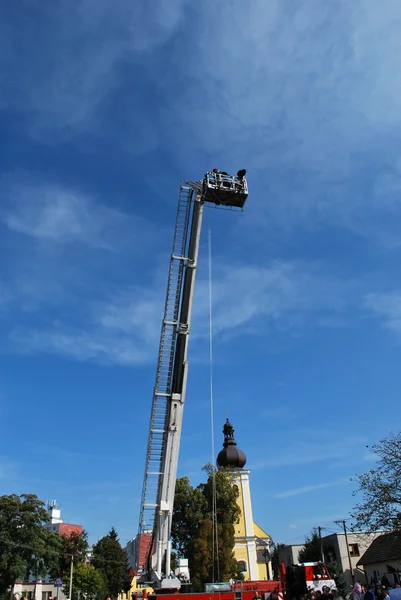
{"x": 242, "y": 566}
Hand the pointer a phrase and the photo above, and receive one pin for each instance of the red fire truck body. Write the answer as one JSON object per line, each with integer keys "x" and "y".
{"x": 245, "y": 590}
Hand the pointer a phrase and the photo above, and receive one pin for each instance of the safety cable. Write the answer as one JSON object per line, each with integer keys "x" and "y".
{"x": 215, "y": 536}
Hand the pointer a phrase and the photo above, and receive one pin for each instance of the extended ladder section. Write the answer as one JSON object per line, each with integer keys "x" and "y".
{"x": 168, "y": 397}
{"x": 157, "y": 502}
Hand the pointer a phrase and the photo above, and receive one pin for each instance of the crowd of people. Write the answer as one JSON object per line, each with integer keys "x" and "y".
{"x": 359, "y": 592}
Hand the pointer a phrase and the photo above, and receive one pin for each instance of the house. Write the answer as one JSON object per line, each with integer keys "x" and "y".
{"x": 38, "y": 588}
{"x": 288, "y": 553}
{"x": 345, "y": 550}
{"x": 136, "y": 589}
{"x": 137, "y": 551}
{"x": 382, "y": 559}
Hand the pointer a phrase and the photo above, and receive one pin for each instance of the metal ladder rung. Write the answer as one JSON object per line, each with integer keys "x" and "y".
{"x": 164, "y": 370}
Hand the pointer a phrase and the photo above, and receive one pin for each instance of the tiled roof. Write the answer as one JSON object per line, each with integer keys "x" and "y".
{"x": 385, "y": 547}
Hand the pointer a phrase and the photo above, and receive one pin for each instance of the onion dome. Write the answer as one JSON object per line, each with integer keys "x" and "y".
{"x": 230, "y": 456}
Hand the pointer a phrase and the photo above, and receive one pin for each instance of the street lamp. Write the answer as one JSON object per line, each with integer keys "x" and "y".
{"x": 266, "y": 554}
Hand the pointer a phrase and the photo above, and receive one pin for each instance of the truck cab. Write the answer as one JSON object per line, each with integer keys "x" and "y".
{"x": 303, "y": 577}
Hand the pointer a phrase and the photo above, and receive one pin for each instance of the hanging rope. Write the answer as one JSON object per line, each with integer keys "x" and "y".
{"x": 215, "y": 536}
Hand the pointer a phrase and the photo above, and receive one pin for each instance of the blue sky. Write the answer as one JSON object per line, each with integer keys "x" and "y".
{"x": 105, "y": 108}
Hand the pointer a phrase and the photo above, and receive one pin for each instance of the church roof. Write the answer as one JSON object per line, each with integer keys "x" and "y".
{"x": 230, "y": 455}
{"x": 259, "y": 532}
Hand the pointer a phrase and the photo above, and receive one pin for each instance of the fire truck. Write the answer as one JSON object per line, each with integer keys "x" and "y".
{"x": 303, "y": 577}
{"x": 220, "y": 189}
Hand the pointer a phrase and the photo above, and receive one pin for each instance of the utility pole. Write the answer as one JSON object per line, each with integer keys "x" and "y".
{"x": 342, "y": 521}
{"x": 321, "y": 542}
{"x": 36, "y": 575}
{"x": 71, "y": 574}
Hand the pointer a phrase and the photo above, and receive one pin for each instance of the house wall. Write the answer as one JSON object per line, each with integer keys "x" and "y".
{"x": 288, "y": 554}
{"x": 380, "y": 568}
{"x": 136, "y": 590}
{"x": 42, "y": 591}
{"x": 361, "y": 542}
{"x": 137, "y": 551}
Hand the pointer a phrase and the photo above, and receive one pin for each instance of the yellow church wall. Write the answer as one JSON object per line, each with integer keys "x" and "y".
{"x": 250, "y": 539}
{"x": 240, "y": 527}
{"x": 262, "y": 573}
{"x": 241, "y": 553}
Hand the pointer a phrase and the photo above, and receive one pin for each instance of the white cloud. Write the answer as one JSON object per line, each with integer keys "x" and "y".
{"x": 283, "y": 294}
{"x": 121, "y": 324}
{"x": 284, "y": 412}
{"x": 305, "y": 452}
{"x": 311, "y": 67}
{"x": 82, "y": 345}
{"x": 303, "y": 99}
{"x": 121, "y": 330}
{"x": 119, "y": 321}
{"x": 53, "y": 212}
{"x": 306, "y": 489}
{"x": 388, "y": 307}
{"x": 135, "y": 309}
{"x": 71, "y": 54}
{"x": 68, "y": 289}
{"x": 300, "y": 95}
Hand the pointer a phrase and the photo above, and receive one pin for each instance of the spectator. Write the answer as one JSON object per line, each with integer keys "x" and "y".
{"x": 357, "y": 593}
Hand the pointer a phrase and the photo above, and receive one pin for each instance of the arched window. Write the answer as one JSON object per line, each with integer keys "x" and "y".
{"x": 242, "y": 566}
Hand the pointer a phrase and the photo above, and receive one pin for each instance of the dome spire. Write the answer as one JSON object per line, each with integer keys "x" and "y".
{"x": 230, "y": 455}
{"x": 228, "y": 431}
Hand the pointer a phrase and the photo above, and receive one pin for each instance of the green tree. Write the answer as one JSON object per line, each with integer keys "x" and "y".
{"x": 198, "y": 513}
{"x": 201, "y": 559}
{"x": 335, "y": 568}
{"x": 74, "y": 545}
{"x": 111, "y": 560}
{"x": 337, "y": 574}
{"x": 311, "y": 551}
{"x": 86, "y": 580}
{"x": 189, "y": 509}
{"x": 220, "y": 490}
{"x": 275, "y": 558}
{"x": 25, "y": 544}
{"x": 380, "y": 507}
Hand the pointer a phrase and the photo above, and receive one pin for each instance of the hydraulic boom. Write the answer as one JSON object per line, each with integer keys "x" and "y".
{"x": 221, "y": 189}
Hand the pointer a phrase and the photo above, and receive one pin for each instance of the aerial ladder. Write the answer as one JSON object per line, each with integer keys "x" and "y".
{"x": 223, "y": 190}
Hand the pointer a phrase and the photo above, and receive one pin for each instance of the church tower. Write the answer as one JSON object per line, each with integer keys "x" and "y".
{"x": 251, "y": 548}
